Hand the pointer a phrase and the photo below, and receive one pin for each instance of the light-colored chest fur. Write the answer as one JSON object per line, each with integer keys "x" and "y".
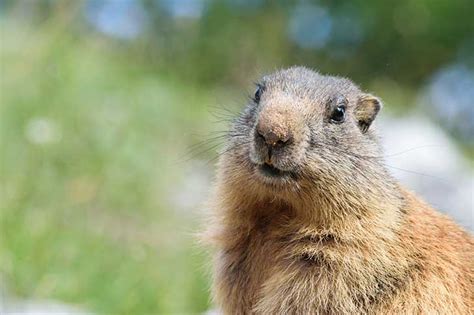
{"x": 276, "y": 268}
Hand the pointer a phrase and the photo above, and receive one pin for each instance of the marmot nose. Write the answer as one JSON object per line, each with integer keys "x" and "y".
{"x": 275, "y": 136}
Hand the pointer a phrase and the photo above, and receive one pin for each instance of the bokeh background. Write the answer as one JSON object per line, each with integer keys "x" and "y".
{"x": 111, "y": 112}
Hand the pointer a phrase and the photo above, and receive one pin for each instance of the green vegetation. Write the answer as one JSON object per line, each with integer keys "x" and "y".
{"x": 91, "y": 148}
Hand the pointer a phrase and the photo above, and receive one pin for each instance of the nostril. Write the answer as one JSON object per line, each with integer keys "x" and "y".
{"x": 281, "y": 143}
{"x": 272, "y": 139}
{"x": 259, "y": 137}
{"x": 273, "y": 135}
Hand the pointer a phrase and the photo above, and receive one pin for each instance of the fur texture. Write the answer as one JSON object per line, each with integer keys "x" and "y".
{"x": 330, "y": 231}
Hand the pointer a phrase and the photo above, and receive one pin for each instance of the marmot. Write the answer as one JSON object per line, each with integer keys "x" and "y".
{"x": 307, "y": 219}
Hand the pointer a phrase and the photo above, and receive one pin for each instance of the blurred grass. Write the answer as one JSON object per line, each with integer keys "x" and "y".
{"x": 90, "y": 149}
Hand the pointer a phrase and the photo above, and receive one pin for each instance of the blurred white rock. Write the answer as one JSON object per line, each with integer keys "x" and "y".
{"x": 10, "y": 305}
{"x": 212, "y": 311}
{"x": 428, "y": 162}
{"x": 39, "y": 307}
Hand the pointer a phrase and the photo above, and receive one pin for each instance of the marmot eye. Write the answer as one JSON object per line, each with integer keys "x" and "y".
{"x": 258, "y": 93}
{"x": 338, "y": 114}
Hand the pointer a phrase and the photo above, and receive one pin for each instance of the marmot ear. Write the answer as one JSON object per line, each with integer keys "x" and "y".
{"x": 366, "y": 110}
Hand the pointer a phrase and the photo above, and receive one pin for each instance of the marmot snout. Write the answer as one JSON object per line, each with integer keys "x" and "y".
{"x": 307, "y": 219}
{"x": 274, "y": 140}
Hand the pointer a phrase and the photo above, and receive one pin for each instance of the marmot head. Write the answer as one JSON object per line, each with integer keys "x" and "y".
{"x": 303, "y": 130}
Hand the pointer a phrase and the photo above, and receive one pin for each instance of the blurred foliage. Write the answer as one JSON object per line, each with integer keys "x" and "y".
{"x": 230, "y": 41}
{"x": 94, "y": 126}
{"x": 88, "y": 161}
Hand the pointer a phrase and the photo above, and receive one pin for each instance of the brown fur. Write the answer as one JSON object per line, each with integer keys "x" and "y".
{"x": 338, "y": 236}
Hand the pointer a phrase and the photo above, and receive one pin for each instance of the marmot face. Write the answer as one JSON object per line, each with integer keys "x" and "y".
{"x": 303, "y": 128}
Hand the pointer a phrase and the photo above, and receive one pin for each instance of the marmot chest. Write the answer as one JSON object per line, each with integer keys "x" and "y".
{"x": 274, "y": 270}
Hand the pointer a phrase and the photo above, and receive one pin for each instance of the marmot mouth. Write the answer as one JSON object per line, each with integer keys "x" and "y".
{"x": 271, "y": 171}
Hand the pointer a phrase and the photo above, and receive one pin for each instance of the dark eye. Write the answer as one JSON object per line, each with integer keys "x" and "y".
{"x": 258, "y": 93}
{"x": 338, "y": 114}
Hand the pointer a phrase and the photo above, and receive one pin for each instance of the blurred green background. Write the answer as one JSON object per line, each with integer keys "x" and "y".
{"x": 104, "y": 105}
